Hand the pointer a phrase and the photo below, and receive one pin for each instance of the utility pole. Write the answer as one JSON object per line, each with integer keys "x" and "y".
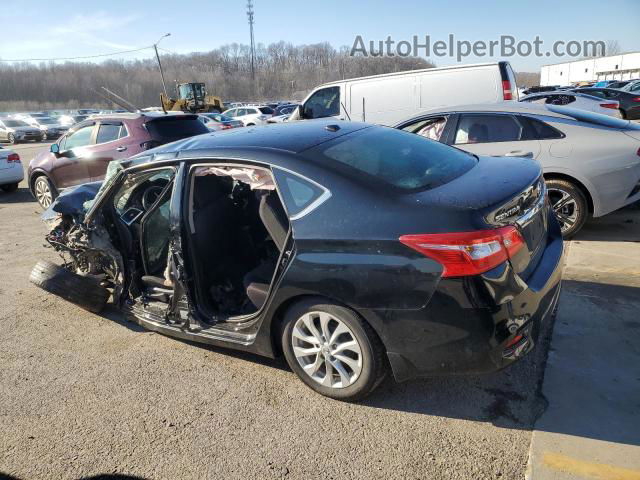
{"x": 250, "y": 17}
{"x": 155, "y": 47}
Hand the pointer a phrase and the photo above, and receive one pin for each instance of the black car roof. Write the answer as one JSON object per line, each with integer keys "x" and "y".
{"x": 293, "y": 137}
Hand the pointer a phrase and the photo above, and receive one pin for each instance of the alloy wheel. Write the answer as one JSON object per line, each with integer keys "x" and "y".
{"x": 565, "y": 207}
{"x": 11, "y": 138}
{"x": 326, "y": 349}
{"x": 43, "y": 192}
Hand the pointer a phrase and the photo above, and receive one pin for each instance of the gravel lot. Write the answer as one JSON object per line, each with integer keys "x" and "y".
{"x": 83, "y": 394}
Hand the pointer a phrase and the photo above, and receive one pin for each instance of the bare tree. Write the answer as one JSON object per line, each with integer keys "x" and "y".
{"x": 283, "y": 71}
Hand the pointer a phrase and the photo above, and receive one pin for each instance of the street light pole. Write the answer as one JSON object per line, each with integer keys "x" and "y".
{"x": 155, "y": 47}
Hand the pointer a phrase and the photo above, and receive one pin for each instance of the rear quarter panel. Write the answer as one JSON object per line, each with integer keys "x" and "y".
{"x": 604, "y": 160}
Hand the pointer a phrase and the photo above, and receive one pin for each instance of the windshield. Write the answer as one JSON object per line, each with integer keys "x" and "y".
{"x": 396, "y": 158}
{"x": 47, "y": 121}
{"x": 266, "y": 110}
{"x": 15, "y": 123}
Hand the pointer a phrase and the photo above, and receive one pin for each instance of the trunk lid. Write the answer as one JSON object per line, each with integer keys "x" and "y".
{"x": 497, "y": 192}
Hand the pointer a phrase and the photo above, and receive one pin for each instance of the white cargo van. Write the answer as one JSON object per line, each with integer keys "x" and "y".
{"x": 389, "y": 98}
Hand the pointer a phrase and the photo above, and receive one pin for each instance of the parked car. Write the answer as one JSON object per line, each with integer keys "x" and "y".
{"x": 619, "y": 83}
{"x": 633, "y": 87}
{"x": 389, "y": 98}
{"x": 279, "y": 118}
{"x": 11, "y": 172}
{"x": 441, "y": 262}
{"x": 285, "y": 109}
{"x": 16, "y": 131}
{"x": 82, "y": 155}
{"x": 591, "y": 162}
{"x": 603, "y": 83}
{"x": 218, "y": 121}
{"x": 251, "y": 115}
{"x": 629, "y": 101}
{"x": 576, "y": 100}
{"x": 50, "y": 128}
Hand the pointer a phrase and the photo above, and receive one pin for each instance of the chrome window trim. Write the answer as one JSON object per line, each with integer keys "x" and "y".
{"x": 326, "y": 194}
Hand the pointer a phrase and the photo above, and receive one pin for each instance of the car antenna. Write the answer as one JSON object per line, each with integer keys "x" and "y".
{"x": 345, "y": 111}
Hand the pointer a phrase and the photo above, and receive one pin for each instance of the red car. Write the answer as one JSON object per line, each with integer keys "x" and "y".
{"x": 82, "y": 155}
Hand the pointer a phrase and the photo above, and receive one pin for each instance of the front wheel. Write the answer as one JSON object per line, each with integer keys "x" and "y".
{"x": 332, "y": 350}
{"x": 45, "y": 192}
{"x": 11, "y": 138}
{"x": 83, "y": 291}
{"x": 569, "y": 205}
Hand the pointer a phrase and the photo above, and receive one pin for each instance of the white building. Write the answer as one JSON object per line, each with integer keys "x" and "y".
{"x": 616, "y": 67}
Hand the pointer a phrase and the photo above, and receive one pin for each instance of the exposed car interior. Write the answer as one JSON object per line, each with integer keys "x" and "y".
{"x": 239, "y": 230}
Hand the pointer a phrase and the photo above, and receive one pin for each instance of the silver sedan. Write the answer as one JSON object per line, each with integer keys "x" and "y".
{"x": 591, "y": 162}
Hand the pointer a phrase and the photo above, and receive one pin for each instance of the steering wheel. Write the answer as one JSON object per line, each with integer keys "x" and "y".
{"x": 150, "y": 196}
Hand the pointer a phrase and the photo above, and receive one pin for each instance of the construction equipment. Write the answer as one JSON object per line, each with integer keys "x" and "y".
{"x": 192, "y": 98}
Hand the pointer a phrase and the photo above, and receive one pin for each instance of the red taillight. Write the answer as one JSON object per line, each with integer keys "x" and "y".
{"x": 507, "y": 92}
{"x": 609, "y": 105}
{"x": 467, "y": 253}
{"x": 13, "y": 158}
{"x": 226, "y": 127}
{"x": 635, "y": 99}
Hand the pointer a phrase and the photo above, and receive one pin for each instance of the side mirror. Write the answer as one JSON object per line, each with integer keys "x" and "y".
{"x": 55, "y": 149}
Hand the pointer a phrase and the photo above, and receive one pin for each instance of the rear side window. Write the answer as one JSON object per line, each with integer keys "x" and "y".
{"x": 298, "y": 193}
{"x": 174, "y": 127}
{"x": 535, "y": 129}
{"x": 108, "y": 132}
{"x": 485, "y": 128}
{"x": 399, "y": 159}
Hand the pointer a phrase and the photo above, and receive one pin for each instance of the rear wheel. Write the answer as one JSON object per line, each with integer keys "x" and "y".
{"x": 11, "y": 187}
{"x": 85, "y": 292}
{"x": 569, "y": 205}
{"x": 45, "y": 192}
{"x": 332, "y": 350}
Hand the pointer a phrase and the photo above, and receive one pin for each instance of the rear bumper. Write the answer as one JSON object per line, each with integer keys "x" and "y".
{"x": 464, "y": 331}
{"x": 10, "y": 175}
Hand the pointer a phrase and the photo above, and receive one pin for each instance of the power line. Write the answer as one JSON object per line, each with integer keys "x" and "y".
{"x": 74, "y": 58}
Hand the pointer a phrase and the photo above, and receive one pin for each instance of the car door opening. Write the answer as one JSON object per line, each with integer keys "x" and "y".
{"x": 238, "y": 230}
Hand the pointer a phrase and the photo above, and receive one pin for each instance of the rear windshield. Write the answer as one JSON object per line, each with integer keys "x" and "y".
{"x": 592, "y": 117}
{"x": 175, "y": 127}
{"x": 266, "y": 110}
{"x": 402, "y": 160}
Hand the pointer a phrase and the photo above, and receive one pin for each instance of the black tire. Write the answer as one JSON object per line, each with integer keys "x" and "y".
{"x": 85, "y": 292}
{"x": 251, "y": 124}
{"x": 572, "y": 217}
{"x": 11, "y": 187}
{"x": 11, "y": 138}
{"x": 374, "y": 364}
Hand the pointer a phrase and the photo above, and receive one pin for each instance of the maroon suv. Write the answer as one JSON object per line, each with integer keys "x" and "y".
{"x": 82, "y": 155}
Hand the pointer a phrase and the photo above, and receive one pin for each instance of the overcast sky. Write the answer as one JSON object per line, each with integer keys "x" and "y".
{"x": 46, "y": 29}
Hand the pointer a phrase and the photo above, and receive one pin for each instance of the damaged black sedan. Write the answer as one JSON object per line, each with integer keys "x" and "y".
{"x": 351, "y": 249}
